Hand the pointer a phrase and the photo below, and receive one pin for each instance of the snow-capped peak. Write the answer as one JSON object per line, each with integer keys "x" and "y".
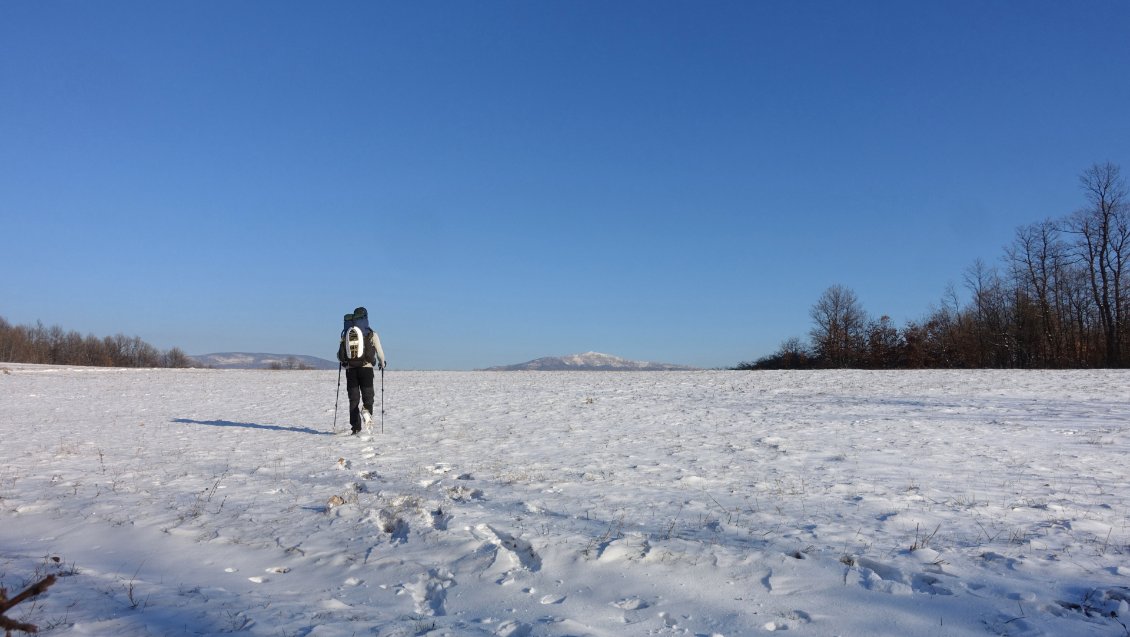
{"x": 589, "y": 361}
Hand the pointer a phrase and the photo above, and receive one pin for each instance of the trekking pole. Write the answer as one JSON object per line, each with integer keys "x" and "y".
{"x": 338, "y": 398}
{"x": 382, "y": 399}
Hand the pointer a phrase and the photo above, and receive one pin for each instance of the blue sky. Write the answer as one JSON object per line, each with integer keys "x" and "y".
{"x": 499, "y": 181}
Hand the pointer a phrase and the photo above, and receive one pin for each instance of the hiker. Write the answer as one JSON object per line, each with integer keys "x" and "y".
{"x": 359, "y": 352}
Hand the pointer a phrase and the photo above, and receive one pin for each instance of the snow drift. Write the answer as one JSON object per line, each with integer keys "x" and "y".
{"x": 207, "y": 502}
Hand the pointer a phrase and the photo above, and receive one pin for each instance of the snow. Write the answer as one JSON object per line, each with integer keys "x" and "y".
{"x": 207, "y": 502}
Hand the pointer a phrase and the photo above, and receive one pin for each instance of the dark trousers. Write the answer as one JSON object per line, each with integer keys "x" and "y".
{"x": 359, "y": 383}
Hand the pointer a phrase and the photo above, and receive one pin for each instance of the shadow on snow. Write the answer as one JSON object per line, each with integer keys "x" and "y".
{"x": 252, "y": 425}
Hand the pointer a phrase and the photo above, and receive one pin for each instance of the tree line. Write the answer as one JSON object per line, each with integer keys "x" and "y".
{"x": 1059, "y": 298}
{"x": 54, "y": 346}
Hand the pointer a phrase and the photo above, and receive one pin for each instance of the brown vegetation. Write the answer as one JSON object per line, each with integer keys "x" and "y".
{"x": 1060, "y": 299}
{"x": 53, "y": 346}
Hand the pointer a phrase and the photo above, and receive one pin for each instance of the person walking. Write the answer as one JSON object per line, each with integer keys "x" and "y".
{"x": 359, "y": 352}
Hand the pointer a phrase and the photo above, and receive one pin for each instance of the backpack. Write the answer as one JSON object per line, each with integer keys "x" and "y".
{"x": 355, "y": 349}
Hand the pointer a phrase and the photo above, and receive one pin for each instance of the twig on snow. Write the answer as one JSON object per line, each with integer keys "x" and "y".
{"x": 6, "y": 604}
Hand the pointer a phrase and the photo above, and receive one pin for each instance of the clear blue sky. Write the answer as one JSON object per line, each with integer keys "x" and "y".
{"x": 499, "y": 181}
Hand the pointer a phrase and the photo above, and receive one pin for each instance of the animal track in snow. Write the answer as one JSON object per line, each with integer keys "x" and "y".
{"x": 429, "y": 591}
{"x": 874, "y": 575}
{"x": 633, "y": 546}
{"x": 631, "y": 603}
{"x": 926, "y": 583}
{"x": 883, "y": 571}
{"x": 1110, "y": 602}
{"x": 793, "y": 619}
{"x": 460, "y": 493}
{"x": 512, "y": 628}
{"x": 392, "y": 524}
{"x": 877, "y": 576}
{"x": 786, "y": 583}
{"x": 439, "y": 519}
{"x": 520, "y": 551}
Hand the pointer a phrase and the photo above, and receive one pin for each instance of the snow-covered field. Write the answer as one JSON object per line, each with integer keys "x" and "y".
{"x": 202, "y": 502}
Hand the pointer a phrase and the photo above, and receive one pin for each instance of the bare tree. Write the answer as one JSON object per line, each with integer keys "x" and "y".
{"x": 54, "y": 346}
{"x": 177, "y": 358}
{"x": 792, "y": 354}
{"x": 1102, "y": 243}
{"x": 1039, "y": 258}
{"x": 885, "y": 347}
{"x": 838, "y": 336}
{"x": 1061, "y": 298}
{"x": 992, "y": 325}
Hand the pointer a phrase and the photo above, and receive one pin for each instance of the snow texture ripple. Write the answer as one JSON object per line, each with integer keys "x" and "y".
{"x": 209, "y": 502}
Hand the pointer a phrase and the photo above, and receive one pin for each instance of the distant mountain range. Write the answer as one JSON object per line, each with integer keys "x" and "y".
{"x": 589, "y": 361}
{"x": 245, "y": 360}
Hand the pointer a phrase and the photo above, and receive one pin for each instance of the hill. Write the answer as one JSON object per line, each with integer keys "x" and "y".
{"x": 246, "y": 360}
{"x": 589, "y": 361}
